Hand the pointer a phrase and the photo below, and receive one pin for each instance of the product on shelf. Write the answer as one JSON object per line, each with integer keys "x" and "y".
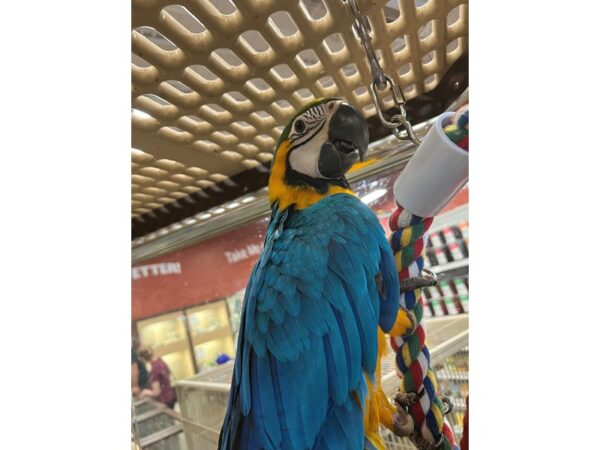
{"x": 456, "y": 251}
{"x": 459, "y": 286}
{"x": 451, "y": 306}
{"x": 464, "y": 230}
{"x": 464, "y": 248}
{"x": 427, "y": 309}
{"x": 446, "y": 289}
{"x": 448, "y": 297}
{"x": 464, "y": 301}
{"x": 436, "y": 240}
{"x": 440, "y": 256}
{"x": 434, "y": 292}
{"x": 451, "y": 295}
{"x": 430, "y": 258}
{"x": 458, "y": 304}
{"x": 450, "y": 234}
{"x": 436, "y": 305}
{"x": 428, "y": 240}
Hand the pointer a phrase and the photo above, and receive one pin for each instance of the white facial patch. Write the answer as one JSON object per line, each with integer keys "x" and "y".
{"x": 305, "y": 158}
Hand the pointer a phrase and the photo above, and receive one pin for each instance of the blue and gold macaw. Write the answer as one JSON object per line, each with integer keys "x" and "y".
{"x": 305, "y": 373}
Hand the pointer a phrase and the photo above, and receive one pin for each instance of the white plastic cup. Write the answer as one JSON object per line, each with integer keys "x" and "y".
{"x": 436, "y": 172}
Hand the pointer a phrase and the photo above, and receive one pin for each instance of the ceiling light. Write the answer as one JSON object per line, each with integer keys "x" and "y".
{"x": 140, "y": 114}
{"x": 204, "y": 216}
{"x": 219, "y": 210}
{"x": 372, "y": 196}
{"x": 248, "y": 199}
{"x": 233, "y": 205}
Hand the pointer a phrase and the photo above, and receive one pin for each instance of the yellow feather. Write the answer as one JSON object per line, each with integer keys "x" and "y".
{"x": 379, "y": 410}
{"x": 403, "y": 323}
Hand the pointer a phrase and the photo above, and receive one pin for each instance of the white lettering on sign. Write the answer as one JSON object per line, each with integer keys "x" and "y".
{"x": 240, "y": 254}
{"x": 154, "y": 270}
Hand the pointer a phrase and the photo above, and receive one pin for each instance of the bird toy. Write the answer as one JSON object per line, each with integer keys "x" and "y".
{"x": 458, "y": 130}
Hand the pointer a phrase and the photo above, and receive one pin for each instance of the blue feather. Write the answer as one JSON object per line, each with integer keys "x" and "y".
{"x": 309, "y": 330}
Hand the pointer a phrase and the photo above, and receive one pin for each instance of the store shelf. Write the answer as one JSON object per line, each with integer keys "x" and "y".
{"x": 171, "y": 347}
{"x": 451, "y": 269}
{"x": 219, "y": 374}
{"x": 444, "y": 330}
{"x": 450, "y": 266}
{"x": 450, "y": 218}
{"x": 219, "y": 333}
{"x": 458, "y": 404}
{"x": 458, "y": 376}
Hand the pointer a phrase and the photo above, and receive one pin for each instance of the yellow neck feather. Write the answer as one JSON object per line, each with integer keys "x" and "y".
{"x": 301, "y": 196}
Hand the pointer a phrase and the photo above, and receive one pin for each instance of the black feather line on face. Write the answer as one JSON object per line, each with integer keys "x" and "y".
{"x": 285, "y": 134}
{"x": 308, "y": 138}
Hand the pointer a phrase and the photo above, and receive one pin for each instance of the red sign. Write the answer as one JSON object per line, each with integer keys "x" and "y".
{"x": 207, "y": 271}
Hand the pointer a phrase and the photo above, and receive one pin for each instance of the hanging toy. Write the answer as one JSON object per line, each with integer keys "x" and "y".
{"x": 432, "y": 177}
{"x": 458, "y": 130}
{"x": 438, "y": 169}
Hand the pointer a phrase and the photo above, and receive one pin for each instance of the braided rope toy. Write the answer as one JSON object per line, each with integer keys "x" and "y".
{"x": 407, "y": 337}
{"x": 458, "y": 130}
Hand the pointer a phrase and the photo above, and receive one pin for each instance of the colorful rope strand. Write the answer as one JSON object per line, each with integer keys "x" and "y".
{"x": 458, "y": 130}
{"x": 408, "y": 239}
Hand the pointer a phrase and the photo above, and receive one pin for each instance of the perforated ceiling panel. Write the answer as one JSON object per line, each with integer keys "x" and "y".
{"x": 214, "y": 82}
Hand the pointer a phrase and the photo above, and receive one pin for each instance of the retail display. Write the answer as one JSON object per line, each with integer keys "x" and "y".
{"x": 449, "y": 297}
{"x": 190, "y": 339}
{"x": 447, "y": 245}
{"x": 211, "y": 333}
{"x": 167, "y": 336}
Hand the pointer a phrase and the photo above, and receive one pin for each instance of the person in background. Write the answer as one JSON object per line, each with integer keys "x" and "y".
{"x": 139, "y": 373}
{"x": 159, "y": 382}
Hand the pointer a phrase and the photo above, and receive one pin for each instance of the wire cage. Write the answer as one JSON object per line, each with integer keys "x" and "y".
{"x": 155, "y": 428}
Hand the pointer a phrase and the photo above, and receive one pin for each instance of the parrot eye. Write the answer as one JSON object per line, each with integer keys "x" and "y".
{"x": 299, "y": 126}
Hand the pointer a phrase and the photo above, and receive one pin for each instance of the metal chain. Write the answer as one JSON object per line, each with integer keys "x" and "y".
{"x": 381, "y": 81}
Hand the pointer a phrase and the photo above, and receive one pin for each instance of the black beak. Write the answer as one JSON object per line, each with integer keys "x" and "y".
{"x": 347, "y": 143}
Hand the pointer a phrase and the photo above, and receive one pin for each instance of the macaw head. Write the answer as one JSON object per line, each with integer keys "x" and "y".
{"x": 316, "y": 149}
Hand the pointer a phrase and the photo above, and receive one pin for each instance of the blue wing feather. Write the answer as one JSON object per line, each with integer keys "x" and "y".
{"x": 391, "y": 291}
{"x": 309, "y": 330}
